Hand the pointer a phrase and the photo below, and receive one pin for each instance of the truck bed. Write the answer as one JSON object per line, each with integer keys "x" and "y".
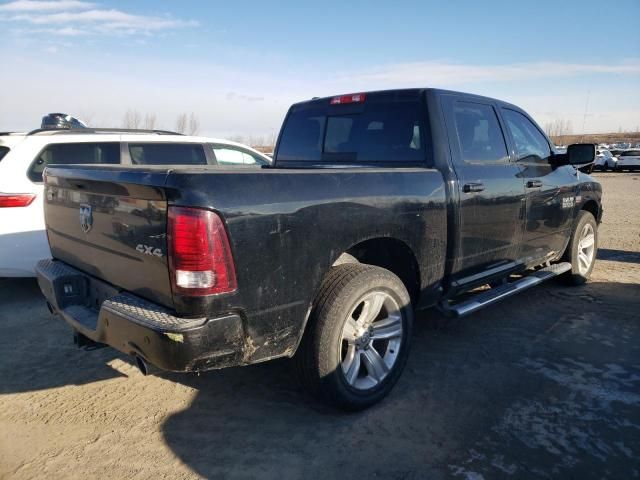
{"x": 286, "y": 227}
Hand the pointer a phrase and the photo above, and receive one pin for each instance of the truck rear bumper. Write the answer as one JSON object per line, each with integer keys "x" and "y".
{"x": 137, "y": 327}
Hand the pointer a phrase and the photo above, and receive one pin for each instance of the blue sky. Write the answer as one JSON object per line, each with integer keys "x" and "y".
{"x": 238, "y": 65}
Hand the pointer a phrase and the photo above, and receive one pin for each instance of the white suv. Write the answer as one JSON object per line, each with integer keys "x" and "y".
{"x": 628, "y": 160}
{"x": 24, "y": 156}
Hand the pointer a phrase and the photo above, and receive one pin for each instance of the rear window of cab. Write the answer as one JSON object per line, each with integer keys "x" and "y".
{"x": 380, "y": 128}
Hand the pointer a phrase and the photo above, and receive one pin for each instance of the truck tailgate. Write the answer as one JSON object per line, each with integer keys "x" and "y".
{"x": 104, "y": 223}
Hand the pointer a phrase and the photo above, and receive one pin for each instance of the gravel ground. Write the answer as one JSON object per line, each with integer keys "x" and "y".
{"x": 543, "y": 385}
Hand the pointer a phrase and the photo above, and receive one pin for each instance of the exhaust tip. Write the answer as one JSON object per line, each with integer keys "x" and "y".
{"x": 142, "y": 366}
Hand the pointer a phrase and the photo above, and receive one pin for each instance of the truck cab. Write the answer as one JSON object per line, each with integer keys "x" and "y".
{"x": 512, "y": 198}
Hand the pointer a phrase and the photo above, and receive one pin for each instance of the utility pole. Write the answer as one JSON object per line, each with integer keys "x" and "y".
{"x": 586, "y": 111}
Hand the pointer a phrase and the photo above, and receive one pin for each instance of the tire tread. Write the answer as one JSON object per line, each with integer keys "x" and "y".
{"x": 311, "y": 359}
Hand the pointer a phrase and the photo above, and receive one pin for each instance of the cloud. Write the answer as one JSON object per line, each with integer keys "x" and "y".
{"x": 226, "y": 96}
{"x": 72, "y": 18}
{"x": 38, "y": 6}
{"x": 247, "y": 98}
{"x": 443, "y": 73}
{"x": 69, "y": 31}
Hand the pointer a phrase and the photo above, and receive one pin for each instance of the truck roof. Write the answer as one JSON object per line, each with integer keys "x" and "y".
{"x": 409, "y": 91}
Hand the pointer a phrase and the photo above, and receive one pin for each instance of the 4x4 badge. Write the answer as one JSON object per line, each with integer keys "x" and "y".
{"x": 86, "y": 217}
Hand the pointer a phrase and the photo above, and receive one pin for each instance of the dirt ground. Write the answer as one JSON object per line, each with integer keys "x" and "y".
{"x": 543, "y": 385}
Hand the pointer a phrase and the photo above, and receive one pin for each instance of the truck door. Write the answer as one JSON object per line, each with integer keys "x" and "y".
{"x": 551, "y": 190}
{"x": 491, "y": 191}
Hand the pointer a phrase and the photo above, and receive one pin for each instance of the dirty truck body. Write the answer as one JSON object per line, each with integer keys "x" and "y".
{"x": 397, "y": 200}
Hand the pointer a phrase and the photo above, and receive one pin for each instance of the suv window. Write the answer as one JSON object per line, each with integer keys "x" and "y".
{"x": 479, "y": 133}
{"x": 630, "y": 153}
{"x": 74, "y": 153}
{"x": 384, "y": 128}
{"x": 529, "y": 141}
{"x": 231, "y": 155}
{"x": 3, "y": 152}
{"x": 167, "y": 154}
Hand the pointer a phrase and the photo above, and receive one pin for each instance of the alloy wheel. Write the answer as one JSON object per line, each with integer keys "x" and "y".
{"x": 371, "y": 340}
{"x": 586, "y": 249}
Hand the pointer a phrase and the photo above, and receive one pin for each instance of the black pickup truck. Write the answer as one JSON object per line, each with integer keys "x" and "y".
{"x": 376, "y": 204}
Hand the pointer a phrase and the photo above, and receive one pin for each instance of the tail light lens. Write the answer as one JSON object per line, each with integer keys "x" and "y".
{"x": 199, "y": 254}
{"x": 16, "y": 199}
{"x": 352, "y": 98}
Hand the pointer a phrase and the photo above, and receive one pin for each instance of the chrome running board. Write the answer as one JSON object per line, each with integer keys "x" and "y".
{"x": 495, "y": 294}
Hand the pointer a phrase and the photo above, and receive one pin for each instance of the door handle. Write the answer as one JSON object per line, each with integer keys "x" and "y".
{"x": 534, "y": 183}
{"x": 473, "y": 187}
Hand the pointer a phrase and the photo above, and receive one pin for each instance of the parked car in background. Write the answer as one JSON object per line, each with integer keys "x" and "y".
{"x": 621, "y": 146}
{"x": 628, "y": 160}
{"x": 605, "y": 160}
{"x": 588, "y": 168}
{"x": 24, "y": 156}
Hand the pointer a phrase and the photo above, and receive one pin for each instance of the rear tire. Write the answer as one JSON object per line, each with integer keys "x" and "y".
{"x": 357, "y": 340}
{"x": 582, "y": 249}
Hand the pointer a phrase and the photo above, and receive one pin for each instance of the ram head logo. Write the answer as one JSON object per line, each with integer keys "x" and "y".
{"x": 86, "y": 217}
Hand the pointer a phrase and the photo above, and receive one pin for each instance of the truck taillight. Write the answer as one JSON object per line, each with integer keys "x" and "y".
{"x": 352, "y": 98}
{"x": 16, "y": 199}
{"x": 199, "y": 254}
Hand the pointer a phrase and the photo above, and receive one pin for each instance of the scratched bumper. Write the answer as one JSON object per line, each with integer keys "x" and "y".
{"x": 137, "y": 327}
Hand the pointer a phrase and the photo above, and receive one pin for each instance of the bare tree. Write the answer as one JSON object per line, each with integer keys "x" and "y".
{"x": 266, "y": 142}
{"x": 238, "y": 138}
{"x": 194, "y": 124}
{"x": 558, "y": 128}
{"x": 150, "y": 121}
{"x": 87, "y": 117}
{"x": 132, "y": 119}
{"x": 271, "y": 140}
{"x": 181, "y": 123}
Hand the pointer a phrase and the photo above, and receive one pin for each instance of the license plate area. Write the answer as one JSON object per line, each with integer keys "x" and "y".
{"x": 98, "y": 292}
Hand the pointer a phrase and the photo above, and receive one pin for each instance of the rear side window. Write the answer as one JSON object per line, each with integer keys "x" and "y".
{"x": 631, "y": 153}
{"x": 230, "y": 155}
{"x": 167, "y": 154}
{"x": 479, "y": 133}
{"x": 302, "y": 133}
{"x": 384, "y": 128}
{"x": 74, "y": 153}
{"x": 3, "y": 152}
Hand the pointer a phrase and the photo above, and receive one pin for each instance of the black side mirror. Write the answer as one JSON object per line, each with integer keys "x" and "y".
{"x": 581, "y": 153}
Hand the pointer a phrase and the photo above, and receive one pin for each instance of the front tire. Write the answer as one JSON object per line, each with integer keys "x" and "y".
{"x": 582, "y": 249}
{"x": 357, "y": 340}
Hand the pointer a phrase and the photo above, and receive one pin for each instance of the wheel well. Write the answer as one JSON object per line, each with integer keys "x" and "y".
{"x": 592, "y": 207}
{"x": 389, "y": 253}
